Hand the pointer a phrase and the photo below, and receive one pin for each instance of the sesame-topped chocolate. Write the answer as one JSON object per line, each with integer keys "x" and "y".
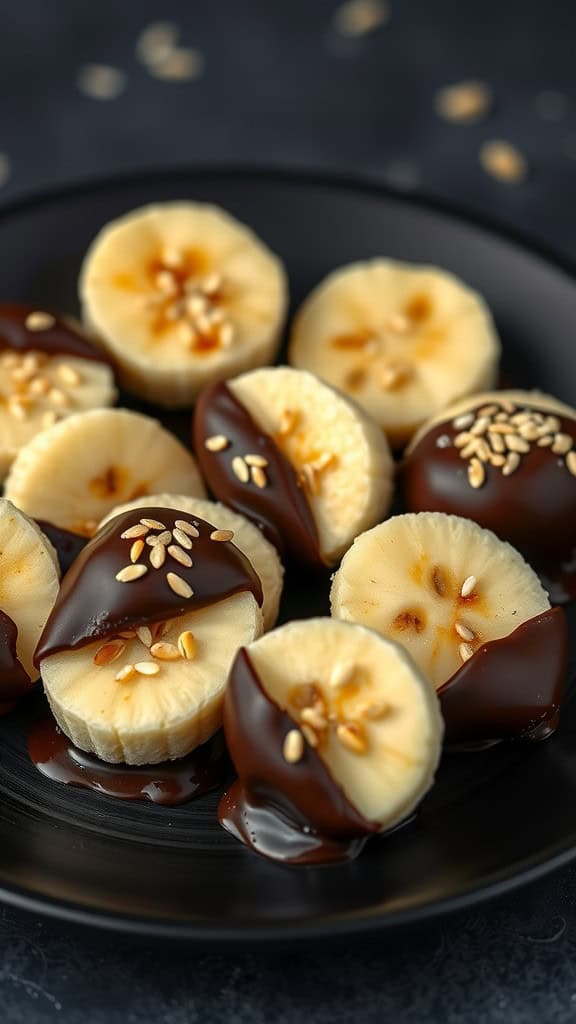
{"x": 25, "y": 328}
{"x": 247, "y": 469}
{"x": 14, "y": 680}
{"x": 145, "y": 566}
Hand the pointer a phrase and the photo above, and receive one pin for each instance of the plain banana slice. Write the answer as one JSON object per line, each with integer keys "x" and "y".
{"x": 354, "y": 715}
{"x": 339, "y": 467}
{"x": 438, "y": 584}
{"x": 29, "y": 580}
{"x": 403, "y": 340}
{"x": 146, "y": 719}
{"x": 263, "y": 555}
{"x": 73, "y": 474}
{"x": 181, "y": 294}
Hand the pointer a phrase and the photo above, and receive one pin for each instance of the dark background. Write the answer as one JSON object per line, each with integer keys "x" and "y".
{"x": 282, "y": 88}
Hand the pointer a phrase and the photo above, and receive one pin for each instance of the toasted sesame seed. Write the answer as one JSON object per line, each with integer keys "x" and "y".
{"x": 68, "y": 375}
{"x": 464, "y": 631}
{"x": 516, "y": 444}
{"x": 571, "y": 462}
{"x": 351, "y": 737}
{"x": 258, "y": 476}
{"x": 503, "y": 161}
{"x": 551, "y": 425}
{"x": 562, "y": 444}
{"x": 468, "y": 586}
{"x": 462, "y": 439}
{"x": 101, "y": 81}
{"x": 511, "y": 464}
{"x": 309, "y": 735}
{"x": 182, "y": 538}
{"x": 158, "y": 629}
{"x": 463, "y": 102}
{"x": 178, "y": 585}
{"x": 153, "y": 524}
{"x": 240, "y": 469}
{"x": 480, "y": 426}
{"x": 125, "y": 673}
{"x": 216, "y": 443}
{"x": 165, "y": 652}
{"x": 130, "y": 573}
{"x": 314, "y": 717}
{"x": 497, "y": 459}
{"x": 144, "y": 635}
{"x": 487, "y": 410}
{"x": 180, "y": 556}
{"x": 529, "y": 431}
{"x": 109, "y": 652}
{"x": 187, "y": 645}
{"x": 341, "y": 674}
{"x": 147, "y": 668}
{"x": 39, "y": 321}
{"x": 186, "y": 527}
{"x": 501, "y": 427}
{"x": 293, "y": 746}
{"x": 465, "y": 651}
{"x": 464, "y": 421}
{"x": 178, "y": 65}
{"x": 544, "y": 442}
{"x": 476, "y": 473}
{"x": 356, "y": 18}
{"x": 134, "y": 531}
{"x": 157, "y": 556}
{"x": 256, "y": 460}
{"x": 497, "y": 442}
{"x": 222, "y": 535}
{"x": 136, "y": 550}
{"x": 164, "y": 538}
{"x": 482, "y": 450}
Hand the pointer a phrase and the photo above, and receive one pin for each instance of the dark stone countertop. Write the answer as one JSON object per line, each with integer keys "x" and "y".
{"x": 281, "y": 89}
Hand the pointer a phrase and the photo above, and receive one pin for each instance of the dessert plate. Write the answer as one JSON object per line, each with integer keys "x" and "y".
{"x": 495, "y": 818}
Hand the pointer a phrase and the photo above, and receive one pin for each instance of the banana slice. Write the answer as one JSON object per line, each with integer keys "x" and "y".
{"x": 403, "y": 340}
{"x": 333, "y": 725}
{"x": 247, "y": 537}
{"x": 181, "y": 294}
{"x": 73, "y": 474}
{"x": 48, "y": 370}
{"x": 29, "y": 583}
{"x": 136, "y": 653}
{"x": 297, "y": 457}
{"x": 438, "y": 584}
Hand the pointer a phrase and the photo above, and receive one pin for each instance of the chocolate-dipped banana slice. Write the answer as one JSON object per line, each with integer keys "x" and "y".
{"x": 295, "y": 456}
{"x": 48, "y": 370}
{"x": 335, "y": 735}
{"x": 469, "y": 610}
{"x": 135, "y": 655}
{"x": 506, "y": 459}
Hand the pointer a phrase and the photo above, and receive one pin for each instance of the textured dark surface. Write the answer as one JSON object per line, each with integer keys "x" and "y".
{"x": 280, "y": 88}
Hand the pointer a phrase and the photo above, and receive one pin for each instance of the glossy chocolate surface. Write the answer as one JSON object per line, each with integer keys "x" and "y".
{"x": 93, "y": 605}
{"x": 64, "y": 337}
{"x": 292, "y": 812}
{"x": 511, "y": 687}
{"x": 173, "y": 782}
{"x": 67, "y": 544}
{"x": 14, "y": 680}
{"x": 281, "y": 508}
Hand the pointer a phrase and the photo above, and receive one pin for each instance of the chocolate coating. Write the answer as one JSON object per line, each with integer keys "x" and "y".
{"x": 63, "y": 338}
{"x": 14, "y": 679}
{"x": 534, "y": 508}
{"x": 174, "y": 782}
{"x": 67, "y": 544}
{"x": 298, "y": 812}
{"x": 93, "y": 605}
{"x": 280, "y": 508}
{"x": 511, "y": 687}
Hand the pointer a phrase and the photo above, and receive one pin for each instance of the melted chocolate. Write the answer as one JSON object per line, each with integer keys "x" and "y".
{"x": 511, "y": 687}
{"x": 173, "y": 782}
{"x": 93, "y": 605}
{"x": 64, "y": 337}
{"x": 280, "y": 508}
{"x": 14, "y": 680}
{"x": 534, "y": 508}
{"x": 291, "y": 812}
{"x": 68, "y": 545}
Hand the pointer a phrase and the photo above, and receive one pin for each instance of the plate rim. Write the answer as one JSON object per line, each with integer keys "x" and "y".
{"x": 496, "y": 884}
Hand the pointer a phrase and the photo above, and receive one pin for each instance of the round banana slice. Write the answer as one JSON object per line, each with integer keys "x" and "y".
{"x": 246, "y": 536}
{"x": 332, "y": 726}
{"x": 181, "y": 294}
{"x": 403, "y": 340}
{"x": 48, "y": 371}
{"x": 438, "y": 584}
{"x": 297, "y": 457}
{"x": 29, "y": 583}
{"x": 73, "y": 474}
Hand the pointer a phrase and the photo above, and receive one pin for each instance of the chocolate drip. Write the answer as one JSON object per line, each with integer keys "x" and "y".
{"x": 534, "y": 508}
{"x": 14, "y": 680}
{"x": 174, "y": 782}
{"x": 511, "y": 687}
{"x": 64, "y": 337}
{"x": 93, "y": 604}
{"x": 292, "y": 812}
{"x": 280, "y": 508}
{"x": 68, "y": 545}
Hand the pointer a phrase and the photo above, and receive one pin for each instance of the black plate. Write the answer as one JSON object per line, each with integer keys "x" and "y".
{"x": 494, "y": 819}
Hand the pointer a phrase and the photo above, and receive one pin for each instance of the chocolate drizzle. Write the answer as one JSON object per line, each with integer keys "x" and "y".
{"x": 63, "y": 337}
{"x": 173, "y": 782}
{"x": 93, "y": 604}
{"x": 296, "y": 813}
{"x": 67, "y": 545}
{"x": 14, "y": 680}
{"x": 511, "y": 687}
{"x": 280, "y": 508}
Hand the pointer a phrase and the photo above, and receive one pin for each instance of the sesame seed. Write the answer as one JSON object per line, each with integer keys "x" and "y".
{"x": 157, "y": 556}
{"x": 341, "y": 674}
{"x": 134, "y": 531}
{"x": 187, "y": 645}
{"x": 462, "y": 439}
{"x": 153, "y": 524}
{"x": 240, "y": 469}
{"x": 562, "y": 444}
{"x": 503, "y": 161}
{"x": 39, "y": 321}
{"x": 530, "y": 431}
{"x": 125, "y": 673}
{"x": 136, "y": 550}
{"x": 178, "y": 585}
{"x": 144, "y": 635}
{"x": 464, "y": 631}
{"x": 222, "y": 535}
{"x": 293, "y": 746}
{"x": 468, "y": 586}
{"x": 147, "y": 668}
{"x": 256, "y": 460}
{"x": 465, "y": 651}
{"x": 502, "y": 426}
{"x": 571, "y": 462}
{"x": 164, "y": 538}
{"x": 156, "y": 42}
{"x": 357, "y": 18}
{"x": 180, "y": 556}
{"x": 511, "y": 464}
{"x": 216, "y": 443}
{"x": 258, "y": 476}
{"x": 68, "y": 375}
{"x": 351, "y": 737}
{"x": 476, "y": 473}
{"x": 109, "y": 652}
{"x": 544, "y": 442}
{"x": 182, "y": 538}
{"x": 101, "y": 82}
{"x": 188, "y": 528}
{"x": 497, "y": 460}
{"x": 130, "y": 573}
{"x": 480, "y": 426}
{"x": 551, "y": 425}
{"x": 464, "y": 421}
{"x": 309, "y": 735}
{"x": 516, "y": 444}
{"x": 487, "y": 410}
{"x": 179, "y": 65}
{"x": 464, "y": 102}
{"x": 165, "y": 652}
{"x": 482, "y": 450}
{"x": 497, "y": 442}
